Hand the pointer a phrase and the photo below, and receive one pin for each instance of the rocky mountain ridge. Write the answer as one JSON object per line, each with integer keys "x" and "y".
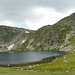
{"x": 60, "y": 36}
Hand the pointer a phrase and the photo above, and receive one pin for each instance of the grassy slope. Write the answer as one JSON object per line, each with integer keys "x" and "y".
{"x": 59, "y": 67}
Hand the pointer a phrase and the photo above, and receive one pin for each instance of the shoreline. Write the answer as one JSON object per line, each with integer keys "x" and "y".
{"x": 46, "y": 60}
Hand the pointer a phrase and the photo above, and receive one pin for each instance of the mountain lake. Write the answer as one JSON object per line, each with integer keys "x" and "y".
{"x": 26, "y": 57}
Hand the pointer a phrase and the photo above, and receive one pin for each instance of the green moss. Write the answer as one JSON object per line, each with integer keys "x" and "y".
{"x": 31, "y": 43}
{"x": 1, "y": 47}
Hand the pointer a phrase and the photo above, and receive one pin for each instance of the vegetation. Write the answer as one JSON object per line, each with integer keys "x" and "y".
{"x": 72, "y": 40}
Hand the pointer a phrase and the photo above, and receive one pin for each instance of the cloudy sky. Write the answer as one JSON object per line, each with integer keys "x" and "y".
{"x": 33, "y": 14}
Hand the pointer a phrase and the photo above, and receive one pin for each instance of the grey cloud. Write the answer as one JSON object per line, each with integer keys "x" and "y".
{"x": 59, "y": 5}
{"x": 21, "y": 10}
{"x": 17, "y": 11}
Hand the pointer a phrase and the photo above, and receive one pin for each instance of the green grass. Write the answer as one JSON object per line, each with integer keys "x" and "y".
{"x": 59, "y": 67}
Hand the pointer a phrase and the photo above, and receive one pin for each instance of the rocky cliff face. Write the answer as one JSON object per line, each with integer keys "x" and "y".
{"x": 60, "y": 36}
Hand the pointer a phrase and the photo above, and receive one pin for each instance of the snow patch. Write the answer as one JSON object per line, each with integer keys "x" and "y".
{"x": 27, "y": 32}
{"x": 23, "y": 41}
{"x": 10, "y": 47}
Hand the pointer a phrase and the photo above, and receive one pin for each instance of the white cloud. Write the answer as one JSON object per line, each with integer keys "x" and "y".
{"x": 7, "y": 23}
{"x": 50, "y": 16}
{"x": 70, "y": 11}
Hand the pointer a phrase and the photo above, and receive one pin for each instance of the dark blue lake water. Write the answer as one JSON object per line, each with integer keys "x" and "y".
{"x": 27, "y": 56}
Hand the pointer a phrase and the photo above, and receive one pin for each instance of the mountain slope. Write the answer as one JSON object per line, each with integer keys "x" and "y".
{"x": 12, "y": 37}
{"x": 60, "y": 36}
